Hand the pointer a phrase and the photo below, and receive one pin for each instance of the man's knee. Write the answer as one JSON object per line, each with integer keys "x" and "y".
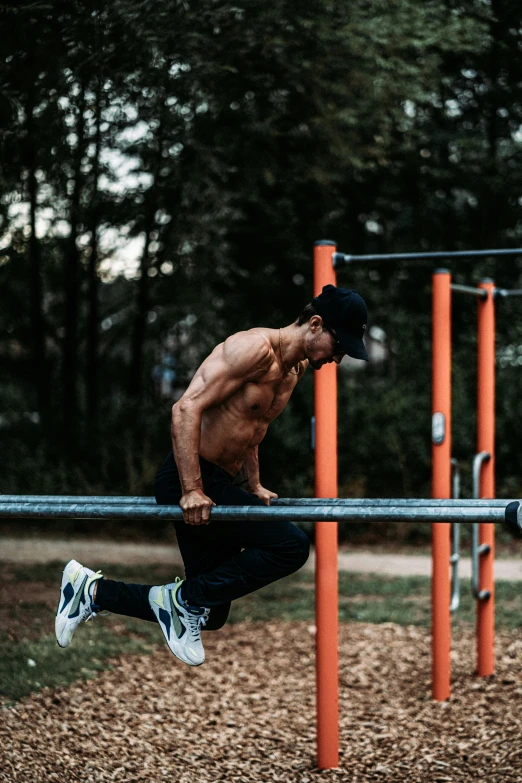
{"x": 300, "y": 549}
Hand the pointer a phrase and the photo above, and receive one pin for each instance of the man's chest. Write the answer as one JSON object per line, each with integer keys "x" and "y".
{"x": 266, "y": 400}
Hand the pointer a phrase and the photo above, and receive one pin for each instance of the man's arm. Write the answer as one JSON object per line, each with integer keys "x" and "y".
{"x": 241, "y": 358}
{"x": 250, "y": 470}
{"x": 250, "y": 474}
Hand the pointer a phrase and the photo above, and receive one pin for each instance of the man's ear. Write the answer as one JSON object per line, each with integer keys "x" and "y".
{"x": 315, "y": 323}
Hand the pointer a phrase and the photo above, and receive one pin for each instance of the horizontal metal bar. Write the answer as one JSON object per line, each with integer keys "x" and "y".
{"x": 314, "y": 513}
{"x": 127, "y": 500}
{"x": 481, "y": 293}
{"x": 505, "y": 293}
{"x": 394, "y": 502}
{"x": 105, "y": 500}
{"x": 342, "y": 259}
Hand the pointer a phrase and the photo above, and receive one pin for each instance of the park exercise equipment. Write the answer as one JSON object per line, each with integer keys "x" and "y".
{"x": 483, "y": 538}
{"x": 326, "y": 261}
{"x": 476, "y": 548}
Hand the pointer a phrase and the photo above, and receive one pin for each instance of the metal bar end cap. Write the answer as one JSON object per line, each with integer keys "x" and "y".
{"x": 513, "y": 518}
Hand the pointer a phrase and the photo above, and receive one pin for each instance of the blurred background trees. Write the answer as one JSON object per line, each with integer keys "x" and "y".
{"x": 166, "y": 168}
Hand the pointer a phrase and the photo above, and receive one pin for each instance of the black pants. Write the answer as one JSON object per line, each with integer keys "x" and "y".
{"x": 223, "y": 560}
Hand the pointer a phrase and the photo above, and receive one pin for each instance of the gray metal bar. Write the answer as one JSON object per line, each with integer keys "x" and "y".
{"x": 395, "y": 502}
{"x": 455, "y": 479}
{"x": 316, "y": 513}
{"x": 106, "y": 500}
{"x": 504, "y": 293}
{"x": 478, "y": 461}
{"x": 481, "y": 595}
{"x": 125, "y": 500}
{"x": 454, "y": 562}
{"x": 455, "y": 540}
{"x": 342, "y": 259}
{"x": 481, "y": 293}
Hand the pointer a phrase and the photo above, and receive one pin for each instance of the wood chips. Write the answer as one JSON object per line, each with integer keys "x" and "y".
{"x": 248, "y": 714}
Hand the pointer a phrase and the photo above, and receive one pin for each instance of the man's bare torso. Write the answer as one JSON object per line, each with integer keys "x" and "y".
{"x": 235, "y": 424}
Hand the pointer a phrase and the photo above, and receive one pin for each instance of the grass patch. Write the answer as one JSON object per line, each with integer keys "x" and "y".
{"x": 30, "y": 658}
{"x": 52, "y": 572}
{"x": 371, "y": 598}
{"x": 31, "y": 665}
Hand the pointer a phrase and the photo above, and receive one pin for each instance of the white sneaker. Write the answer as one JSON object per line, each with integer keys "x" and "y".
{"x": 75, "y": 601}
{"x": 181, "y": 625}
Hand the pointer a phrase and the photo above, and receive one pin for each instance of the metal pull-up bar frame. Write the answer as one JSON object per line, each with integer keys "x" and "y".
{"x": 328, "y": 511}
{"x": 326, "y": 261}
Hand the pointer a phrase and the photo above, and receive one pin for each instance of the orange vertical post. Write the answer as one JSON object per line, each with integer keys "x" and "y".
{"x": 441, "y": 484}
{"x": 486, "y": 442}
{"x": 326, "y": 573}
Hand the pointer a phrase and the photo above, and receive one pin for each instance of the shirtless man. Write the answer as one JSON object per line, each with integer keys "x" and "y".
{"x": 217, "y": 426}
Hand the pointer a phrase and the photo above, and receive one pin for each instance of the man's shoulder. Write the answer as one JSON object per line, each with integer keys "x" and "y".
{"x": 257, "y": 339}
{"x": 253, "y": 346}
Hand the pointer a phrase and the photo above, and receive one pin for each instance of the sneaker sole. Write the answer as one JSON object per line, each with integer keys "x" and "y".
{"x": 61, "y": 622}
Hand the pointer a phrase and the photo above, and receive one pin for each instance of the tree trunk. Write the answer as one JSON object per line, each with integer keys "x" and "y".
{"x": 493, "y": 200}
{"x": 142, "y": 299}
{"x": 141, "y": 308}
{"x": 91, "y": 370}
{"x": 37, "y": 316}
{"x": 72, "y": 264}
{"x": 492, "y": 119}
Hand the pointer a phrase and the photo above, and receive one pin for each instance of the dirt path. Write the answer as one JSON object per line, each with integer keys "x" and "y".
{"x": 33, "y": 550}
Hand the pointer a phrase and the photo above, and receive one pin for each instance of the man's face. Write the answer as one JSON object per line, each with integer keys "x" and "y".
{"x": 321, "y": 346}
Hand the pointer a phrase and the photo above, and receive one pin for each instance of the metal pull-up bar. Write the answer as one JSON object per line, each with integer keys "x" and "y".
{"x": 480, "y": 293}
{"x": 379, "y": 511}
{"x": 127, "y": 500}
{"x": 343, "y": 259}
{"x": 505, "y": 293}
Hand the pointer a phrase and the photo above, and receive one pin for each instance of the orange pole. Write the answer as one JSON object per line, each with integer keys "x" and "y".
{"x": 486, "y": 442}
{"x": 441, "y": 484}
{"x": 326, "y": 574}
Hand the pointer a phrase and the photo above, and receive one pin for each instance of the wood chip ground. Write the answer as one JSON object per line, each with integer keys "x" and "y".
{"x": 248, "y": 714}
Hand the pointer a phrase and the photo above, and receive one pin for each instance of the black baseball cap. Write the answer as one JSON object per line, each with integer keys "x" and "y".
{"x": 344, "y": 312}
